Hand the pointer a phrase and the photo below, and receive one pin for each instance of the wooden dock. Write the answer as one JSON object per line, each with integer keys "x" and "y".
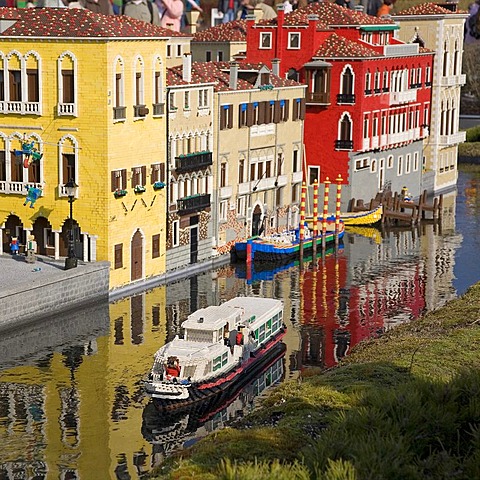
{"x": 398, "y": 210}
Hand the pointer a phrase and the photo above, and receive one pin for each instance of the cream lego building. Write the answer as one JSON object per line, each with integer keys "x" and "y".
{"x": 441, "y": 30}
{"x": 89, "y": 91}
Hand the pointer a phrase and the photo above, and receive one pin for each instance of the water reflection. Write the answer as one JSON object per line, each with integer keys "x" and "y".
{"x": 71, "y": 402}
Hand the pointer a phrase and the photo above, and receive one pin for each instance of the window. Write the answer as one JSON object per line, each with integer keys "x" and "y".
{"x": 118, "y": 260}
{"x": 347, "y": 82}
{"x": 241, "y": 206}
{"x": 362, "y": 163}
{"x": 119, "y": 180}
{"x": 68, "y": 167}
{"x": 179, "y": 50}
{"x": 428, "y": 80}
{"x": 242, "y": 115}
{"x": 68, "y": 90}
{"x": 223, "y": 174}
{"x": 171, "y": 99}
{"x": 373, "y": 166}
{"x": 296, "y": 193}
{"x": 226, "y": 117}
{"x": 298, "y": 109}
{"x": 155, "y": 246}
{"x": 282, "y": 111}
{"x": 415, "y": 161}
{"x": 390, "y": 161}
{"x": 119, "y": 109}
{"x": 296, "y": 161}
{"x": 186, "y": 101}
{"x": 294, "y": 40}
{"x": 266, "y": 40}
{"x": 241, "y": 170}
{"x": 15, "y": 77}
{"x": 445, "y": 60}
{"x": 203, "y": 98}
{"x": 400, "y": 165}
{"x": 269, "y": 111}
{"x": 313, "y": 174}
{"x": 32, "y": 85}
{"x": 385, "y": 80}
{"x": 3, "y": 166}
{"x": 223, "y": 210}
{"x": 208, "y": 56}
{"x": 219, "y": 56}
{"x": 169, "y": 51}
{"x": 344, "y": 141}
{"x": 408, "y": 161}
{"x": 368, "y": 83}
{"x": 139, "y": 175}
{"x": 138, "y": 88}
{"x": 365, "y": 127}
{"x": 175, "y": 233}
{"x": 158, "y": 173}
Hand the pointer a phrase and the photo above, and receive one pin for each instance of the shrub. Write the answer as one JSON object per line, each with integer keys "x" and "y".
{"x": 473, "y": 134}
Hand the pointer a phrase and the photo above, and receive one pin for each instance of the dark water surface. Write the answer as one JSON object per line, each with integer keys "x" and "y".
{"x": 71, "y": 404}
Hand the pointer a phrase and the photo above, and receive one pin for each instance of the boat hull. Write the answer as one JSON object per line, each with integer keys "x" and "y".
{"x": 241, "y": 373}
{"x": 281, "y": 254}
{"x": 370, "y": 217}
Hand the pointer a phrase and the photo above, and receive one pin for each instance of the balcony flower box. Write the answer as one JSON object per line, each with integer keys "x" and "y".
{"x": 119, "y": 193}
{"x": 139, "y": 189}
{"x": 158, "y": 185}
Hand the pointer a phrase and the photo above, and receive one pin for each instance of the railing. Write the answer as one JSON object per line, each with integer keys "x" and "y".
{"x": 366, "y": 144}
{"x": 19, "y": 188}
{"x": 452, "y": 80}
{"x": 193, "y": 161}
{"x": 453, "y": 139}
{"x": 22, "y": 108}
{"x": 407, "y": 96}
{"x": 323, "y": 98}
{"x": 260, "y": 130}
{"x": 344, "y": 144}
{"x": 193, "y": 203}
{"x": 345, "y": 98}
{"x": 119, "y": 113}
{"x": 67, "y": 109}
{"x": 225, "y": 192}
{"x": 405, "y": 49}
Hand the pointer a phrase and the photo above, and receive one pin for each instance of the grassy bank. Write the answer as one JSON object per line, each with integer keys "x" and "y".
{"x": 406, "y": 405}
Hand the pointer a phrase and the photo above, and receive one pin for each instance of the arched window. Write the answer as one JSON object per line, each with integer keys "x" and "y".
{"x": 139, "y": 109}
{"x": 346, "y": 86}
{"x": 445, "y": 59}
{"x": 158, "y": 100}
{"x": 344, "y": 141}
{"x": 67, "y": 84}
{"x": 119, "y": 109}
{"x": 67, "y": 163}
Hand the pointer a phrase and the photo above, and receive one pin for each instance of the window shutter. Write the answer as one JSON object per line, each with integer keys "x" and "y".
{"x": 32, "y": 85}
{"x": 302, "y": 109}
{"x": 119, "y": 255}
{"x": 114, "y": 180}
{"x": 223, "y": 118}
{"x": 124, "y": 178}
{"x": 249, "y": 115}
{"x": 262, "y": 106}
{"x": 287, "y": 105}
{"x": 277, "y": 112}
{"x": 162, "y": 172}
{"x": 153, "y": 169}
{"x": 155, "y": 246}
{"x": 230, "y": 116}
{"x": 144, "y": 175}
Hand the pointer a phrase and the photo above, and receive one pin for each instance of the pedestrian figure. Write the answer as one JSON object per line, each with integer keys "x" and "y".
{"x": 14, "y": 245}
{"x": 31, "y": 249}
{"x": 143, "y": 10}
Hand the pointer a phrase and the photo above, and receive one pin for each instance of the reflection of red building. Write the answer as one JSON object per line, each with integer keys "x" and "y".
{"x": 337, "y": 317}
{"x": 368, "y": 94}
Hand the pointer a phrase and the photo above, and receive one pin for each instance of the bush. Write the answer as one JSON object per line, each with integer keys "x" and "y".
{"x": 473, "y": 134}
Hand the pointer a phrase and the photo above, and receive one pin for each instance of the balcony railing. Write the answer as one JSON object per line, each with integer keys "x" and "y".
{"x": 194, "y": 203}
{"x": 22, "y": 108}
{"x": 19, "y": 188}
{"x": 453, "y": 139}
{"x": 322, "y": 98}
{"x": 407, "y": 96}
{"x": 453, "y": 80}
{"x": 345, "y": 98}
{"x": 67, "y": 109}
{"x": 158, "y": 109}
{"x": 193, "y": 161}
{"x": 344, "y": 144}
{"x": 119, "y": 113}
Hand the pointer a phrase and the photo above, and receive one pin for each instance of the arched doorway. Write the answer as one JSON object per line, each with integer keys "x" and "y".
{"x": 257, "y": 225}
{"x": 13, "y": 228}
{"x": 77, "y": 239}
{"x": 42, "y": 231}
{"x": 136, "y": 256}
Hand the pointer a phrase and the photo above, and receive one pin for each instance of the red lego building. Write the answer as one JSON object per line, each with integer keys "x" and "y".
{"x": 368, "y": 97}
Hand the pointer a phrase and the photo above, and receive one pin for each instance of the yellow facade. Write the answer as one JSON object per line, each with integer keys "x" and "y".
{"x": 105, "y": 72}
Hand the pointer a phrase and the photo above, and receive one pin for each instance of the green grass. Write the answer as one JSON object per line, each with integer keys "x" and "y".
{"x": 406, "y": 405}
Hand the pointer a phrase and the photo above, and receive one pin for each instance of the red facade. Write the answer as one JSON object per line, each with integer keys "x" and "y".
{"x": 367, "y": 91}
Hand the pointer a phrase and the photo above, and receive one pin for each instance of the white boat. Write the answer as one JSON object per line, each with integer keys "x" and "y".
{"x": 219, "y": 343}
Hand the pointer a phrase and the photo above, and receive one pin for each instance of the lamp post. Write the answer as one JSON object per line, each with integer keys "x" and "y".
{"x": 71, "y": 260}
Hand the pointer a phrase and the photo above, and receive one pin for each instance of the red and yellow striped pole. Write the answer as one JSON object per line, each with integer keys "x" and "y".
{"x": 325, "y": 212}
{"x": 339, "y": 181}
{"x": 302, "y": 221}
{"x": 315, "y": 221}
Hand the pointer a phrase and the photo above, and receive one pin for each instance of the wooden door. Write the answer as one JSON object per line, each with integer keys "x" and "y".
{"x": 136, "y": 255}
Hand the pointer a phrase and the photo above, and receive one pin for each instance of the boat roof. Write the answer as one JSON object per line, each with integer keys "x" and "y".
{"x": 184, "y": 349}
{"x": 214, "y": 317}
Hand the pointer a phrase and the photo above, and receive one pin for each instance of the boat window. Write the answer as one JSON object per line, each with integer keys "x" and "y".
{"x": 261, "y": 336}
{"x": 217, "y": 363}
{"x": 203, "y": 336}
{"x": 269, "y": 328}
{"x": 189, "y": 371}
{"x": 224, "y": 358}
{"x": 208, "y": 368}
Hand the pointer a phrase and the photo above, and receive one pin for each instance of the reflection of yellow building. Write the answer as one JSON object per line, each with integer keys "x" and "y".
{"x": 91, "y": 99}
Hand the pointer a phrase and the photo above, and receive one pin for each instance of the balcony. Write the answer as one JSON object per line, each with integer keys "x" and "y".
{"x": 119, "y": 113}
{"x": 297, "y": 177}
{"x": 158, "y": 109}
{"x": 193, "y": 161}
{"x": 261, "y": 130}
{"x": 407, "y": 96}
{"x": 18, "y": 188}
{"x": 345, "y": 98}
{"x": 344, "y": 144}
{"x": 67, "y": 109}
{"x": 225, "y": 192}
{"x": 21, "y": 108}
{"x": 318, "y": 98}
{"x": 453, "y": 139}
{"x": 194, "y": 203}
{"x": 453, "y": 80}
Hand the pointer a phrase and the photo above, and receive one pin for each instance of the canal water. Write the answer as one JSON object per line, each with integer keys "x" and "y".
{"x": 71, "y": 402}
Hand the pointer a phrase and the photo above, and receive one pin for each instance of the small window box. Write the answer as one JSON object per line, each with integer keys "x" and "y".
{"x": 119, "y": 193}
{"x": 139, "y": 189}
{"x": 158, "y": 185}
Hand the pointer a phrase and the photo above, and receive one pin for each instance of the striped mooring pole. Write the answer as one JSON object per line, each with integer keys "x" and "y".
{"x": 339, "y": 181}
{"x": 325, "y": 213}
{"x": 315, "y": 221}
{"x": 302, "y": 221}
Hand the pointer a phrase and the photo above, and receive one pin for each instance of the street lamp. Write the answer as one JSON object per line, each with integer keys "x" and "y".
{"x": 71, "y": 260}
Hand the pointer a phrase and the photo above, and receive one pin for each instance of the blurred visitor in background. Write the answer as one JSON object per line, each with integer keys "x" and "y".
{"x": 143, "y": 10}
{"x": 229, "y": 9}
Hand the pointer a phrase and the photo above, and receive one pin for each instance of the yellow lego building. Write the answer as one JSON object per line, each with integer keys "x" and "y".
{"x": 82, "y": 98}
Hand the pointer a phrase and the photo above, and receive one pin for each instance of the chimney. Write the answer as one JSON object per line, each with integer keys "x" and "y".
{"x": 233, "y": 75}
{"x": 276, "y": 66}
{"x": 187, "y": 67}
{"x": 192, "y": 19}
{"x": 280, "y": 15}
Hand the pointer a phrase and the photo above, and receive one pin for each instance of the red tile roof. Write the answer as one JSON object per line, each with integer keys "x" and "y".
{"x": 77, "y": 22}
{"x": 337, "y": 46}
{"x": 329, "y": 14}
{"x": 425, "y": 9}
{"x": 235, "y": 31}
{"x": 218, "y": 73}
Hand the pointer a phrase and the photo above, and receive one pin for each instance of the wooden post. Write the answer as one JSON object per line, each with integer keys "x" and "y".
{"x": 302, "y": 222}
{"x": 325, "y": 214}
{"x": 315, "y": 221}
{"x": 339, "y": 181}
